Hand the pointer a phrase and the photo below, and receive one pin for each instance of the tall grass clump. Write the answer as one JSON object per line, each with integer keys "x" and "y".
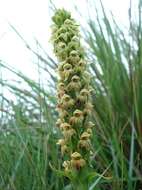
{"x": 105, "y": 158}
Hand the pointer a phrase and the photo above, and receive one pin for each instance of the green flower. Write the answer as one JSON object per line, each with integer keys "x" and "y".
{"x": 73, "y": 92}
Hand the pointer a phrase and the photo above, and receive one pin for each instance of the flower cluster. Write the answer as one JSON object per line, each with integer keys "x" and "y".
{"x": 73, "y": 91}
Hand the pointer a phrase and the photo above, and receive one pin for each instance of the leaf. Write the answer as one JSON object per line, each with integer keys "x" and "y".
{"x": 100, "y": 176}
{"x": 95, "y": 174}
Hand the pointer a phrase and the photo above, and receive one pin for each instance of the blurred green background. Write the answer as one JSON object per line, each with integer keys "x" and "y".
{"x": 28, "y": 108}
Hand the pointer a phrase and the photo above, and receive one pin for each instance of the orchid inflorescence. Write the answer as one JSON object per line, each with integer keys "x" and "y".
{"x": 73, "y": 92}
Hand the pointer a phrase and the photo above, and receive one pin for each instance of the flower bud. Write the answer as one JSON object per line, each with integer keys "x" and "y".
{"x": 75, "y": 156}
{"x": 67, "y": 70}
{"x": 67, "y": 101}
{"x": 64, "y": 149}
{"x": 74, "y": 57}
{"x": 69, "y": 133}
{"x": 75, "y": 84}
{"x": 84, "y": 144}
{"x": 76, "y": 161}
{"x": 58, "y": 122}
{"x": 90, "y": 124}
{"x": 67, "y": 165}
{"x": 84, "y": 94}
{"x": 88, "y": 109}
{"x": 61, "y": 142}
{"x": 85, "y": 136}
{"x": 65, "y": 126}
{"x": 89, "y": 131}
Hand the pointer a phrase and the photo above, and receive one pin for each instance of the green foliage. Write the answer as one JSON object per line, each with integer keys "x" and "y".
{"x": 28, "y": 136}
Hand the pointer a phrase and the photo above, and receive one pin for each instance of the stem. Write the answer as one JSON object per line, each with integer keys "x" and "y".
{"x": 80, "y": 186}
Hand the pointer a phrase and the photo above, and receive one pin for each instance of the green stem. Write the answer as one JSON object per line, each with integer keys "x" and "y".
{"x": 80, "y": 186}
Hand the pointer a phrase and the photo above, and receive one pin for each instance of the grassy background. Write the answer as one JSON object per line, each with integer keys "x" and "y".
{"x": 28, "y": 136}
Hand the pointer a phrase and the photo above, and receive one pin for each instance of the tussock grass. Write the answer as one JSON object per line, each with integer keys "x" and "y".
{"x": 28, "y": 137}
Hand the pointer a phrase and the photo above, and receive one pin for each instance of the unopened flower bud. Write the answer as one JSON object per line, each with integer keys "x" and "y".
{"x": 61, "y": 142}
